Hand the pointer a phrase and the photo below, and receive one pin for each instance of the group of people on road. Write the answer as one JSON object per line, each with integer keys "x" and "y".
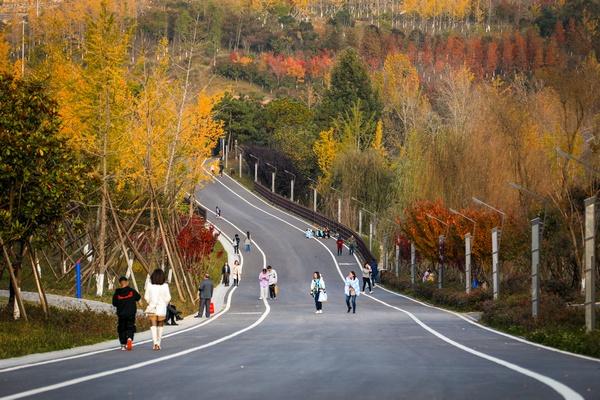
{"x": 267, "y": 280}
{"x": 158, "y": 297}
{"x": 319, "y": 294}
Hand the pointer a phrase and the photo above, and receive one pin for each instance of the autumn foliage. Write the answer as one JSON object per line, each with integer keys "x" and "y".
{"x": 196, "y": 242}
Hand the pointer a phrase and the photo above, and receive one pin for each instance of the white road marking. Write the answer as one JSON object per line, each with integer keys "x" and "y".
{"x": 559, "y": 387}
{"x": 142, "y": 364}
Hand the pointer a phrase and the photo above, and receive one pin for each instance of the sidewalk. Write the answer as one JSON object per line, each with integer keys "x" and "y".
{"x": 218, "y": 299}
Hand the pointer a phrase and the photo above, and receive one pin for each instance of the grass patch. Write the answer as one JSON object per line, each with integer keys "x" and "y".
{"x": 64, "y": 329}
{"x": 557, "y": 324}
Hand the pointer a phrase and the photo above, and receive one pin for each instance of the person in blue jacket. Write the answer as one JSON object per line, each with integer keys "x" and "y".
{"x": 374, "y": 273}
{"x": 351, "y": 290}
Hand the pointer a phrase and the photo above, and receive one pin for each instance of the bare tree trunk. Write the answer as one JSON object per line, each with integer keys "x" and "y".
{"x": 167, "y": 246}
{"x": 15, "y": 282}
{"x": 102, "y": 238}
{"x": 38, "y": 281}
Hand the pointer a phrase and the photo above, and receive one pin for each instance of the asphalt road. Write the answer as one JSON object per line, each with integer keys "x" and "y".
{"x": 392, "y": 348}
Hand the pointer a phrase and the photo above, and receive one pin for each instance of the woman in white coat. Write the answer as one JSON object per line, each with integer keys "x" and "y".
{"x": 157, "y": 296}
{"x": 351, "y": 290}
{"x": 237, "y": 273}
{"x": 317, "y": 285}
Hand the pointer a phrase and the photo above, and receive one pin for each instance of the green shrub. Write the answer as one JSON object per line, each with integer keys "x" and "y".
{"x": 64, "y": 329}
{"x": 556, "y": 325}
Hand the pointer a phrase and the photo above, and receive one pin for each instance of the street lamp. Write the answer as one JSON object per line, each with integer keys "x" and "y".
{"x": 441, "y": 239}
{"x": 359, "y": 215}
{"x": 272, "y": 177}
{"x": 481, "y": 203}
{"x": 23, "y": 49}
{"x": 496, "y": 236}
{"x": 255, "y": 167}
{"x": 371, "y": 228}
{"x": 314, "y": 194}
{"x": 339, "y": 205}
{"x": 291, "y": 184}
{"x": 570, "y": 157}
{"x": 522, "y": 189}
{"x": 589, "y": 267}
{"x": 468, "y": 243}
{"x": 397, "y": 248}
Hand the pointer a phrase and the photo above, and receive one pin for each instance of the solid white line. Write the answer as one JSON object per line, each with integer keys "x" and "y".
{"x": 142, "y": 364}
{"x": 559, "y": 387}
{"x": 562, "y": 389}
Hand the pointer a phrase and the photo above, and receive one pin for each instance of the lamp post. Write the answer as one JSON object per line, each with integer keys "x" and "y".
{"x": 240, "y": 161}
{"x": 359, "y": 215}
{"x": 314, "y": 194}
{"x": 468, "y": 243}
{"x": 441, "y": 241}
{"x": 255, "y": 167}
{"x": 225, "y": 152}
{"x": 397, "y": 249}
{"x": 23, "y": 49}
{"x": 339, "y": 218}
{"x": 272, "y": 177}
{"x": 536, "y": 234}
{"x": 371, "y": 228}
{"x": 291, "y": 184}
{"x": 496, "y": 237}
{"x": 589, "y": 268}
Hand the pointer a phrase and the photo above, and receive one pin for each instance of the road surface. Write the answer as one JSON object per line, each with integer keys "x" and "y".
{"x": 392, "y": 348}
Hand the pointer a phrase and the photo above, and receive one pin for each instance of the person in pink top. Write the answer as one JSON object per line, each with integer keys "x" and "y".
{"x": 263, "y": 279}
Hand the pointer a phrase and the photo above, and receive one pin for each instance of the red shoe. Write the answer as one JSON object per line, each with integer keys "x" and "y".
{"x": 129, "y": 344}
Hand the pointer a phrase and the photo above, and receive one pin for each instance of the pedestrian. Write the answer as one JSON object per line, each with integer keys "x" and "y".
{"x": 428, "y": 273}
{"x": 308, "y": 234}
{"x": 317, "y": 286}
{"x": 340, "y": 244}
{"x": 366, "y": 275}
{"x": 172, "y": 315}
{"x": 374, "y": 273}
{"x": 351, "y": 290}
{"x": 247, "y": 241}
{"x": 124, "y": 299}
{"x": 226, "y": 271}
{"x": 272, "y": 282}
{"x": 351, "y": 242}
{"x": 221, "y": 169}
{"x": 237, "y": 273}
{"x": 212, "y": 170}
{"x": 218, "y": 212}
{"x": 158, "y": 296}
{"x": 263, "y": 280}
{"x": 236, "y": 244}
{"x": 205, "y": 292}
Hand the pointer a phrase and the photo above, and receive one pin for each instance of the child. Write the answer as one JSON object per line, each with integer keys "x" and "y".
{"x": 124, "y": 299}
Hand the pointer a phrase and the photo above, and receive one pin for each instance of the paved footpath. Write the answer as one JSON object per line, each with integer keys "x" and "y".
{"x": 98, "y": 306}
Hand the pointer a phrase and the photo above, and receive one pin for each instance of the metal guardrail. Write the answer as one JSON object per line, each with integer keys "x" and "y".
{"x": 317, "y": 219}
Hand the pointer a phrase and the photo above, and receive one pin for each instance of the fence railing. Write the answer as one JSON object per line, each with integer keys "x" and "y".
{"x": 317, "y": 219}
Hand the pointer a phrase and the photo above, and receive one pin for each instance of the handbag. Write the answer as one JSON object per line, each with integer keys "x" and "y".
{"x": 276, "y": 289}
{"x": 322, "y": 296}
{"x": 150, "y": 309}
{"x": 351, "y": 291}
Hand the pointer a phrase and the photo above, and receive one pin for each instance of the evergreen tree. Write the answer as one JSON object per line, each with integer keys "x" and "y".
{"x": 350, "y": 86}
